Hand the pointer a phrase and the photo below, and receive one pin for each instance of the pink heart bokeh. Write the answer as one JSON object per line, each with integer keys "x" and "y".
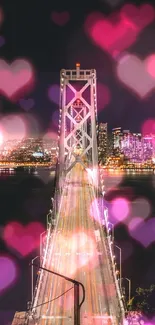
{"x": 23, "y": 239}
{"x": 78, "y": 249}
{"x": 140, "y": 16}
{"x": 134, "y": 73}
{"x": 148, "y": 127}
{"x": 113, "y": 37}
{"x": 109, "y": 36}
{"x": 103, "y": 96}
{"x": 12, "y": 125}
{"x": 151, "y": 65}
{"x": 60, "y": 18}
{"x": 121, "y": 29}
{"x": 140, "y": 207}
{"x": 119, "y": 209}
{"x": 15, "y": 77}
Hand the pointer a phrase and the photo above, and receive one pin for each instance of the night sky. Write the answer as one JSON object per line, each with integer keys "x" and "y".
{"x": 30, "y": 33}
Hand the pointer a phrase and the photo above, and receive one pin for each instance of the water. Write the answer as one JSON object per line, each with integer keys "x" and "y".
{"x": 138, "y": 190}
{"x": 25, "y": 197}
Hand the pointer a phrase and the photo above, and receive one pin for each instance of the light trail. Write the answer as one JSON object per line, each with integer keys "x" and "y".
{"x": 75, "y": 259}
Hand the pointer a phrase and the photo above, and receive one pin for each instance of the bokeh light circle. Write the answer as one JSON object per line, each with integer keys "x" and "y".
{"x": 120, "y": 209}
{"x": 9, "y": 272}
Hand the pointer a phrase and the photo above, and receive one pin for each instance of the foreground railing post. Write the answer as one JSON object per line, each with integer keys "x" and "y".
{"x": 77, "y": 284}
{"x": 32, "y": 277}
{"x": 76, "y": 304}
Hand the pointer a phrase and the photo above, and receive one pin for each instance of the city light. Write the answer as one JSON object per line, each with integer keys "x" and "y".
{"x": 125, "y": 150}
{"x": 28, "y": 151}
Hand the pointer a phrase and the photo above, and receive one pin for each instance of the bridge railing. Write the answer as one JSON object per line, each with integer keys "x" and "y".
{"x": 109, "y": 245}
{"x": 40, "y": 278}
{"x": 49, "y": 239}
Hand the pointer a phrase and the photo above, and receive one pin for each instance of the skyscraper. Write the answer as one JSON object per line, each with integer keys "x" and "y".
{"x": 116, "y": 138}
{"x": 102, "y": 142}
{"x": 137, "y": 151}
{"x": 126, "y": 144}
{"x": 147, "y": 145}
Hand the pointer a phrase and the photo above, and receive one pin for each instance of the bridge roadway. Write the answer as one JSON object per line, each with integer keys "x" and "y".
{"x": 77, "y": 252}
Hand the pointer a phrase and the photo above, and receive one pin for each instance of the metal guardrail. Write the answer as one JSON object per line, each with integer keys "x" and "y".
{"x": 111, "y": 254}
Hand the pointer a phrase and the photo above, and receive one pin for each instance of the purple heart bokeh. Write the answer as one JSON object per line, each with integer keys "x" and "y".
{"x": 144, "y": 232}
{"x": 149, "y": 321}
{"x": 54, "y": 93}
{"x": 2, "y": 41}
{"x": 8, "y": 272}
{"x": 104, "y": 96}
{"x": 26, "y": 104}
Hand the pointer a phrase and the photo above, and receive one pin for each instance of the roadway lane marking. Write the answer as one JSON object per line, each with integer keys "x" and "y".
{"x": 54, "y": 317}
{"x": 102, "y": 317}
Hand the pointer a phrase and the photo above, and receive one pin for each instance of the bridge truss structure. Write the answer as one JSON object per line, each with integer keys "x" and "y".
{"x": 78, "y": 119}
{"x": 77, "y": 242}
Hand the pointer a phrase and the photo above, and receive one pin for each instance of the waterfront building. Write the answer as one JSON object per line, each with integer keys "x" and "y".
{"x": 102, "y": 142}
{"x": 116, "y": 139}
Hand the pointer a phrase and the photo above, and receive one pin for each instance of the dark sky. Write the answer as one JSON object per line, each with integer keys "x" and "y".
{"x": 30, "y": 33}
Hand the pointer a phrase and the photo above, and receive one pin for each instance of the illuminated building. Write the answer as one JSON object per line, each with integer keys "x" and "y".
{"x": 153, "y": 147}
{"x": 109, "y": 145}
{"x": 131, "y": 146}
{"x": 116, "y": 138}
{"x": 102, "y": 142}
{"x": 29, "y": 150}
{"x": 127, "y": 144}
{"x": 148, "y": 146}
{"x": 125, "y": 140}
{"x": 137, "y": 149}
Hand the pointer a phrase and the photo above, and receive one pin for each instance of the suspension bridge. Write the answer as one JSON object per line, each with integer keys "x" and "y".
{"x": 77, "y": 243}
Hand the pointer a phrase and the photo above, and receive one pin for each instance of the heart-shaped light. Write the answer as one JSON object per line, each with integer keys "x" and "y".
{"x": 23, "y": 239}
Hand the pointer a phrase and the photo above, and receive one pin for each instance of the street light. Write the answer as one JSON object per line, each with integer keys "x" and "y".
{"x": 32, "y": 277}
{"x": 77, "y": 305}
{"x": 120, "y": 264}
{"x": 48, "y": 221}
{"x": 112, "y": 229}
{"x": 52, "y": 202}
{"x": 129, "y": 288}
{"x": 41, "y": 242}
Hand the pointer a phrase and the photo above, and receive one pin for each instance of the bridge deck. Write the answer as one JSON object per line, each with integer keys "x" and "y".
{"x": 78, "y": 250}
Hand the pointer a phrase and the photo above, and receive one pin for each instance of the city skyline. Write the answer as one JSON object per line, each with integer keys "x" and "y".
{"x": 122, "y": 144}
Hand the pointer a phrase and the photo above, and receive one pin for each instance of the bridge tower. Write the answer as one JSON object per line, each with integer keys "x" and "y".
{"x": 78, "y": 120}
